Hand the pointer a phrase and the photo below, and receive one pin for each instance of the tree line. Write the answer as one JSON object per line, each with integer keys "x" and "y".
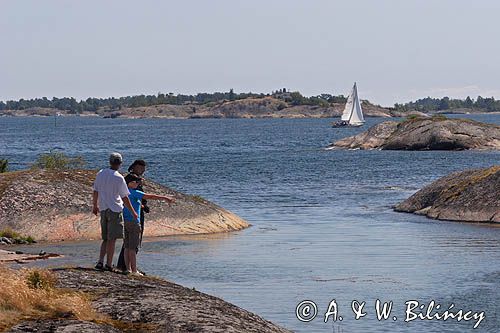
{"x": 93, "y": 104}
{"x": 446, "y": 103}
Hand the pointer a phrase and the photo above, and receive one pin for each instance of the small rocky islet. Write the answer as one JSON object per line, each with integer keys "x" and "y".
{"x": 425, "y": 133}
{"x": 467, "y": 196}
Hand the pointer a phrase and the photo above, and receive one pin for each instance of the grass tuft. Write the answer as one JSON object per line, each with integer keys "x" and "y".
{"x": 29, "y": 294}
{"x": 9, "y": 233}
{"x": 198, "y": 198}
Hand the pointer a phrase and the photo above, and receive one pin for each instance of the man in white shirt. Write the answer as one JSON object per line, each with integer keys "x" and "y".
{"x": 110, "y": 194}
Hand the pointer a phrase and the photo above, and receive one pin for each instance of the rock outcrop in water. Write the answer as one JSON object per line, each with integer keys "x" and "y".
{"x": 436, "y": 133}
{"x": 472, "y": 195}
{"x": 147, "y": 305}
{"x": 56, "y": 205}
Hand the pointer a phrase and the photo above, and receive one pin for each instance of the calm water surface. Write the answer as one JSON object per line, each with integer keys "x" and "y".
{"x": 322, "y": 229}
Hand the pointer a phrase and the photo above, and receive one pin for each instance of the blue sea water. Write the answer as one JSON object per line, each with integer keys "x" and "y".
{"x": 323, "y": 227}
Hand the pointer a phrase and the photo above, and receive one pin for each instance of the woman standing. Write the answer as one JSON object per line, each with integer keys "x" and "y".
{"x": 135, "y": 170}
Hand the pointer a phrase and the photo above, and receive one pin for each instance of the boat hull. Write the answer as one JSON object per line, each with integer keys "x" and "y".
{"x": 341, "y": 124}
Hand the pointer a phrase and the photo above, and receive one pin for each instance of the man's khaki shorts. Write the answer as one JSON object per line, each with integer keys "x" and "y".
{"x": 111, "y": 225}
{"x": 132, "y": 238}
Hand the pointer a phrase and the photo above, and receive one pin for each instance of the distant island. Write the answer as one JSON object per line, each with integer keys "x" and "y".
{"x": 278, "y": 104}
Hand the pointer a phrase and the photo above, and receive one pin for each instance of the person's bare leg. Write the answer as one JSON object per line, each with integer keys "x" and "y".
{"x": 133, "y": 261}
{"x": 110, "y": 251}
{"x": 102, "y": 252}
{"x": 127, "y": 259}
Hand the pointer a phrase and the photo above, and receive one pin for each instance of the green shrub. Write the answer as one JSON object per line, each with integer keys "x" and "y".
{"x": 58, "y": 160}
{"x": 412, "y": 116}
{"x": 198, "y": 198}
{"x": 9, "y": 233}
{"x": 38, "y": 279}
{"x": 438, "y": 117}
{"x": 4, "y": 165}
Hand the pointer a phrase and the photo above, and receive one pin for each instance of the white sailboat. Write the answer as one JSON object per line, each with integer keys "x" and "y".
{"x": 353, "y": 114}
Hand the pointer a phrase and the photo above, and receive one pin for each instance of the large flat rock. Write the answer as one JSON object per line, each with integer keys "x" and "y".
{"x": 56, "y": 205}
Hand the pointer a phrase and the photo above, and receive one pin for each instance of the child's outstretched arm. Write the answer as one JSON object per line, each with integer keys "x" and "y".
{"x": 167, "y": 198}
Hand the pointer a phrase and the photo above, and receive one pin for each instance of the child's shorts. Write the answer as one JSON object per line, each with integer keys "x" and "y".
{"x": 132, "y": 237}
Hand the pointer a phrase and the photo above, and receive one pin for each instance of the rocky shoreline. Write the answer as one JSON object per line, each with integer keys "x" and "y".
{"x": 468, "y": 196}
{"x": 22, "y": 258}
{"x": 146, "y": 304}
{"x": 419, "y": 133}
{"x": 64, "y": 197}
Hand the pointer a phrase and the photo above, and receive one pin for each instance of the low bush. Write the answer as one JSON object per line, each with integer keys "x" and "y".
{"x": 9, "y": 233}
{"x": 59, "y": 161}
{"x": 4, "y": 165}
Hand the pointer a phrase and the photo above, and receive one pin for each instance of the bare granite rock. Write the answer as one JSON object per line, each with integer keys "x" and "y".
{"x": 62, "y": 326}
{"x": 472, "y": 196}
{"x": 56, "y": 205}
{"x": 436, "y": 133}
{"x": 374, "y": 137}
{"x": 144, "y": 304}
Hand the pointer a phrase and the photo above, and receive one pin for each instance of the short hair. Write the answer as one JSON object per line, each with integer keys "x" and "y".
{"x": 136, "y": 162}
{"x": 115, "y": 159}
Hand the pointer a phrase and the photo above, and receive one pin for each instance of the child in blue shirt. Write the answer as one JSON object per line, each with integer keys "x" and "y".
{"x": 133, "y": 226}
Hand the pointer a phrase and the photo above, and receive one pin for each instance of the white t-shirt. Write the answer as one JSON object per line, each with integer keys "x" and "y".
{"x": 111, "y": 187}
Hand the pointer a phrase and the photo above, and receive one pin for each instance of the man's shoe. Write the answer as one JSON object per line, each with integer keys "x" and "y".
{"x": 99, "y": 266}
{"x": 108, "y": 268}
{"x": 136, "y": 274}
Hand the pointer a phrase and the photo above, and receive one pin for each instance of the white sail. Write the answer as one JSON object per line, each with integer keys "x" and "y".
{"x": 356, "y": 117}
{"x": 346, "y": 115}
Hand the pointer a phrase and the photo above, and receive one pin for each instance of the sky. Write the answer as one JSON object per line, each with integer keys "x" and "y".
{"x": 396, "y": 50}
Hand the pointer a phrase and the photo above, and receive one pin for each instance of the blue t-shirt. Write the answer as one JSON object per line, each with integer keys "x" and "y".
{"x": 135, "y": 197}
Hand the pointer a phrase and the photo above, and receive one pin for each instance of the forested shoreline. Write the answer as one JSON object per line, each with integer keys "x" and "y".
{"x": 294, "y": 98}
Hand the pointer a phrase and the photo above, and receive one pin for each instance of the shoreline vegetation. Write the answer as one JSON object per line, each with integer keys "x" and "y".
{"x": 278, "y": 104}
